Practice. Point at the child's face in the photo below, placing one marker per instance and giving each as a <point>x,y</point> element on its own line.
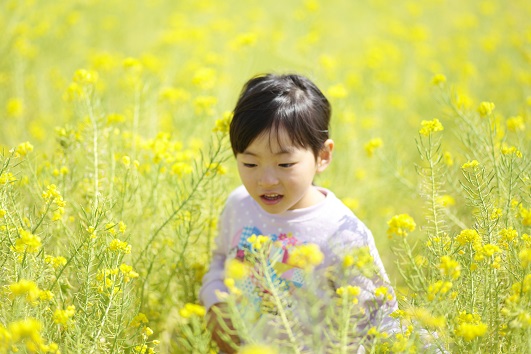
<point>279,176</point>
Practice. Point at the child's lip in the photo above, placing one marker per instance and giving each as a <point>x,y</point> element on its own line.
<point>271,198</point>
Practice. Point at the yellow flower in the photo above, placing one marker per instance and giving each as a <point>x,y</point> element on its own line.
<point>490,249</point>
<point>438,79</point>
<point>204,78</point>
<point>515,124</point>
<point>470,326</point>
<point>372,145</point>
<point>190,310</point>
<point>15,107</point>
<point>56,262</point>
<point>449,267</point>
<point>139,320</point>
<point>425,317</point>
<point>525,257</point>
<point>525,214</point>
<point>439,287</point>
<point>26,288</point>
<point>430,126</point>
<point>223,124</point>
<point>29,331</point>
<point>243,40</point>
<point>236,269</point>
<point>306,256</point>
<point>485,108</point>
<point>257,349</point>
<point>85,77</point>
<point>23,149</point>
<point>6,178</point>
<point>510,150</point>
<point>401,225</point>
<point>3,212</point>
<point>62,316</point>
<point>448,159</point>
<point>126,160</point>
<point>120,246</point>
<point>27,242</point>
<point>470,165</point>
<point>205,104</point>
<point>468,236</point>
<point>445,200</point>
<point>337,91</point>
<point>257,241</point>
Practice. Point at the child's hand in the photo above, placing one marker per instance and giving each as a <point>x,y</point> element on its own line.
<point>214,323</point>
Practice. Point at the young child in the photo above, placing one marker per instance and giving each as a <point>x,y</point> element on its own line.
<point>280,137</point>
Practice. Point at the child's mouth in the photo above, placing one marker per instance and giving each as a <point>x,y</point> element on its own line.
<point>271,198</point>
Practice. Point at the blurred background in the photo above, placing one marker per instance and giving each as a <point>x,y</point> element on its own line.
<point>178,66</point>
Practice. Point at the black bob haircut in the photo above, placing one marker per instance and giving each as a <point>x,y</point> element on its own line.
<point>270,102</point>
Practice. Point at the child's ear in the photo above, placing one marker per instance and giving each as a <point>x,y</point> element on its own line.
<point>325,155</point>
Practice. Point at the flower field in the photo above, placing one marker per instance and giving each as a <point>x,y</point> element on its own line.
<point>115,164</point>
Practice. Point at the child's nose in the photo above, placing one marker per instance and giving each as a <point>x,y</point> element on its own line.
<point>268,178</point>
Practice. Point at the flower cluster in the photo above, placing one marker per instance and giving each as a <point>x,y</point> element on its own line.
<point>430,126</point>
<point>401,225</point>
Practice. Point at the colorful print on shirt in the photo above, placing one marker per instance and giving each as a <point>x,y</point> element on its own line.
<point>287,276</point>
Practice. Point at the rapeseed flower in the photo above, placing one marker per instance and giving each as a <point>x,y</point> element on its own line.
<point>525,257</point>
<point>27,288</point>
<point>236,269</point>
<point>257,241</point>
<point>28,331</point>
<point>470,326</point>
<point>525,215</point>
<point>430,126</point>
<point>190,310</point>
<point>449,267</point>
<point>510,150</point>
<point>23,149</point>
<point>445,200</point>
<point>468,236</point>
<point>361,259</point>
<point>470,165</point>
<point>515,124</point>
<point>372,145</point>
<point>14,107</point>
<point>257,349</point>
<point>401,225</point>
<point>139,320</point>
<point>439,287</point>
<point>117,245</point>
<point>485,108</point>
<point>6,178</point>
<point>337,91</point>
<point>27,242</point>
<point>62,317</point>
<point>222,125</point>
<point>85,77</point>
<point>306,256</point>
<point>438,79</point>
<point>448,159</point>
<point>56,262</point>
<point>425,317</point>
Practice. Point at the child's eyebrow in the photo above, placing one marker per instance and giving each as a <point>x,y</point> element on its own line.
<point>283,151</point>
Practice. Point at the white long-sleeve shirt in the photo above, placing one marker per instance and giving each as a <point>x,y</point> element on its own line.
<point>329,224</point>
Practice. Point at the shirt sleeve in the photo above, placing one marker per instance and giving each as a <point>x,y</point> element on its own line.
<point>376,298</point>
<point>213,280</point>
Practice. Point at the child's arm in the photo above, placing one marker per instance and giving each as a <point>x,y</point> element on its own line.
<point>376,297</point>
<point>221,328</point>
<point>217,317</point>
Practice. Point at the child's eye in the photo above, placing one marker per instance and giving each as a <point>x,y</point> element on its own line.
<point>249,164</point>
<point>286,165</point>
